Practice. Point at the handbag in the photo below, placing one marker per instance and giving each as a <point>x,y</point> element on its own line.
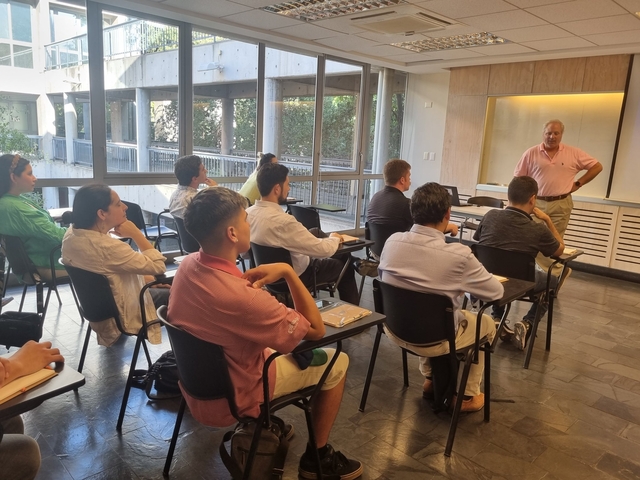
<point>17,328</point>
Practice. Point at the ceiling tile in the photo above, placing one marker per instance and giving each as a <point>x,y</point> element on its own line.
<point>532,3</point>
<point>379,38</point>
<point>456,53</point>
<point>618,38</point>
<point>451,31</point>
<point>497,21</point>
<point>382,51</point>
<point>306,31</point>
<point>464,8</point>
<point>528,34</point>
<point>504,49</point>
<point>253,3</point>
<point>631,5</point>
<point>340,24</point>
<point>221,8</point>
<point>417,57</point>
<point>262,19</point>
<point>347,43</point>
<point>577,10</point>
<point>559,44</point>
<point>617,23</point>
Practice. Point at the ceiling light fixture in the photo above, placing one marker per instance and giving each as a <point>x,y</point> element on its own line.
<point>310,10</point>
<point>456,41</point>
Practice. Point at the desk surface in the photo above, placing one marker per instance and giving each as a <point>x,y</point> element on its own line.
<point>471,211</point>
<point>355,247</point>
<point>325,207</point>
<point>514,289</point>
<point>66,380</point>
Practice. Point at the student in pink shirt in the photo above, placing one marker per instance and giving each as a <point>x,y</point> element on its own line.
<point>214,301</point>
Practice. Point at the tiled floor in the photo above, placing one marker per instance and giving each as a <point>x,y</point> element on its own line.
<point>576,413</point>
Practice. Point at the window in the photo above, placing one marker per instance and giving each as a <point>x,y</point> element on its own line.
<point>16,34</point>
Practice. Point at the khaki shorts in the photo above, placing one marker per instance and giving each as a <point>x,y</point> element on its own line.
<point>289,377</point>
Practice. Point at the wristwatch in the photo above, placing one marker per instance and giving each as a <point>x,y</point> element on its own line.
<point>577,183</point>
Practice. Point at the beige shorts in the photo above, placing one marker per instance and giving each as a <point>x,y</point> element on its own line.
<point>289,377</point>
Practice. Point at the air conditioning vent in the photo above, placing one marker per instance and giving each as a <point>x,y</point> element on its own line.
<point>402,20</point>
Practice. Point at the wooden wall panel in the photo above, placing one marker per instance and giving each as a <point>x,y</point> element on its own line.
<point>469,80</point>
<point>559,76</point>
<point>606,74</point>
<point>462,147</point>
<point>511,78</point>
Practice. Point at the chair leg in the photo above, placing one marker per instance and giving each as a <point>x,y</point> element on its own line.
<point>84,347</point>
<point>127,387</point>
<point>174,437</point>
<point>40,299</point>
<point>254,447</point>
<point>312,437</point>
<point>361,287</point>
<point>532,338</point>
<point>146,352</point>
<point>75,299</point>
<point>487,382</point>
<point>24,294</point>
<point>405,368</point>
<point>456,409</point>
<point>55,289</point>
<point>372,364</point>
<point>46,303</point>
<point>550,321</point>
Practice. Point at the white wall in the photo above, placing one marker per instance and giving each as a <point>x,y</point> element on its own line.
<point>423,129</point>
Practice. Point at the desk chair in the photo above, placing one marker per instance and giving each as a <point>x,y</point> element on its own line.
<point>402,308</point>
<point>188,244</point>
<point>521,266</point>
<point>481,202</point>
<point>204,374</point>
<point>153,233</point>
<point>28,274</point>
<point>309,217</point>
<point>379,234</point>
<point>97,305</point>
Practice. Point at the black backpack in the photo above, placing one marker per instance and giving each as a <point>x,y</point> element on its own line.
<point>163,375</point>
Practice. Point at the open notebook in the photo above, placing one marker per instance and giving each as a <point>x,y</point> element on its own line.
<point>337,313</point>
<point>22,384</point>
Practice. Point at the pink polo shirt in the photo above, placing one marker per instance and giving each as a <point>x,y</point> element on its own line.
<point>210,300</point>
<point>555,176</point>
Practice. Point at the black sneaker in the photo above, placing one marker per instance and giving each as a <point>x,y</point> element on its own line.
<point>521,332</point>
<point>334,465</point>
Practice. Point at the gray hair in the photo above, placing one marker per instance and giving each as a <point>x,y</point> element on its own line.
<point>554,121</point>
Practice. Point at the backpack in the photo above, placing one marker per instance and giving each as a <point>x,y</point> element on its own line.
<point>444,378</point>
<point>163,375</point>
<point>17,328</point>
<point>268,463</point>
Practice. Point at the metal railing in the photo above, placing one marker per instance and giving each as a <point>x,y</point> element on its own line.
<point>59,148</point>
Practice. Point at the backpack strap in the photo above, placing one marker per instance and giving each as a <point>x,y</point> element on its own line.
<point>230,463</point>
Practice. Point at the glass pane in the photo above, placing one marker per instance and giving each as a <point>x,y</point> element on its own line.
<point>4,19</point>
<point>289,107</point>
<point>5,54</point>
<point>224,104</point>
<point>141,86</point>
<point>21,22</point>
<point>340,108</point>
<point>342,194</point>
<point>301,191</point>
<point>22,56</point>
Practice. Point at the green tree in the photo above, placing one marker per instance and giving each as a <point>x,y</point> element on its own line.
<point>297,126</point>
<point>12,140</point>
<point>245,124</point>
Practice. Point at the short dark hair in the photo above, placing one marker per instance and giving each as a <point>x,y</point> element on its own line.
<point>521,189</point>
<point>265,159</point>
<point>88,200</point>
<point>210,212</point>
<point>394,170</point>
<point>186,168</point>
<point>7,167</point>
<point>269,176</point>
<point>430,203</point>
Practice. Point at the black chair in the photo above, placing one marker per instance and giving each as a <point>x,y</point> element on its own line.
<point>379,234</point>
<point>188,244</point>
<point>262,254</point>
<point>204,374</point>
<point>480,202</point>
<point>308,217</point>
<point>523,267</point>
<point>97,305</point>
<point>166,232</point>
<point>153,233</point>
<point>27,273</point>
<point>424,319</point>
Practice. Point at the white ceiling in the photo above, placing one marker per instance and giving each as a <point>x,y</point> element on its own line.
<point>535,29</point>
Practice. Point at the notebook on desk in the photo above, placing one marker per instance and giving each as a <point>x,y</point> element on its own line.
<point>337,313</point>
<point>22,384</point>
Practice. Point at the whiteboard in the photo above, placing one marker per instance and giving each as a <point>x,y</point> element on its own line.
<point>515,123</point>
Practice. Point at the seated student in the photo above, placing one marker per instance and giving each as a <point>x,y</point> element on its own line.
<point>20,217</point>
<point>250,188</point>
<point>513,229</point>
<point>272,227</point>
<point>389,206</point>
<point>20,454</point>
<point>421,260</point>
<point>97,210</point>
<point>212,300</point>
<point>190,173</point>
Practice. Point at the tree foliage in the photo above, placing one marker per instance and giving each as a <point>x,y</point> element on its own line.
<point>12,140</point>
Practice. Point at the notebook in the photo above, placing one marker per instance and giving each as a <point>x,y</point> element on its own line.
<point>337,313</point>
<point>569,251</point>
<point>22,384</point>
<point>500,278</point>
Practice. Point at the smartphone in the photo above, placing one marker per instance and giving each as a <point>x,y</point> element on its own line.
<point>323,304</point>
<point>353,242</point>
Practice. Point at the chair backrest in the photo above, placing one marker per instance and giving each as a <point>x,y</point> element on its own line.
<point>453,195</point>
<point>189,244</point>
<point>94,294</point>
<point>306,216</point>
<point>134,213</point>
<point>486,202</point>
<point>379,234</point>
<point>417,318</point>
<point>263,254</point>
<point>505,262</point>
<point>20,263</point>
<point>202,367</point>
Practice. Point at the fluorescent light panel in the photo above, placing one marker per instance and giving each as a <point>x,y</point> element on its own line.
<point>310,10</point>
<point>456,41</point>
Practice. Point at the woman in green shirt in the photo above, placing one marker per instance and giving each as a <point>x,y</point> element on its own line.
<point>20,217</point>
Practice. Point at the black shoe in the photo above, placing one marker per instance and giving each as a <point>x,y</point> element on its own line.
<point>334,465</point>
<point>521,333</point>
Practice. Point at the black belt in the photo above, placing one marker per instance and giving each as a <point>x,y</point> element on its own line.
<point>553,199</point>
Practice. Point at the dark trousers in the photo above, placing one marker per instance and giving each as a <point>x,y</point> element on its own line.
<point>327,270</point>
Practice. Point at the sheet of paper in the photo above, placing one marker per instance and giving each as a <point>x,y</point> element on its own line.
<point>22,384</point>
<point>499,278</point>
<point>343,314</point>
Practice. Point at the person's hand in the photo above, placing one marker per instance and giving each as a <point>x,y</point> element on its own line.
<point>210,182</point>
<point>337,235</point>
<point>127,229</point>
<point>267,273</point>
<point>33,357</point>
<point>541,215</point>
<point>574,187</point>
<point>5,370</point>
<point>452,229</point>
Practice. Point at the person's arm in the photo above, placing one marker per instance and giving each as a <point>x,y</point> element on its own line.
<point>552,228</point>
<point>587,177</point>
<point>29,359</point>
<point>452,229</point>
<point>293,236</point>
<point>522,168</point>
<point>128,229</point>
<point>119,257</point>
<point>210,182</point>
<point>26,221</point>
